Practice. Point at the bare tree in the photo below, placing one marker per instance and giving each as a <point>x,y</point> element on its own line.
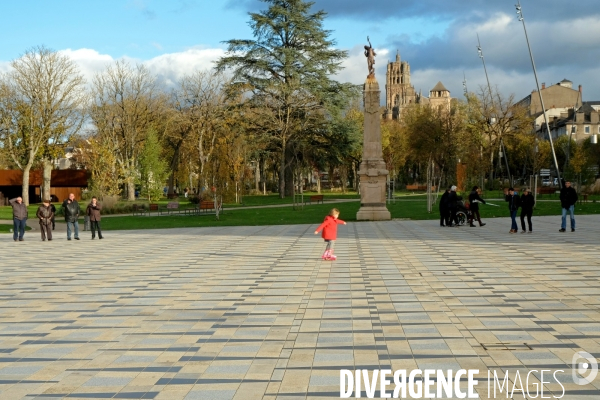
<point>43,97</point>
<point>125,106</point>
<point>199,107</point>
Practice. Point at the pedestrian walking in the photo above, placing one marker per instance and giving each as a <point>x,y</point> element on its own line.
<point>20,215</point>
<point>93,212</point>
<point>71,211</point>
<point>568,198</point>
<point>514,202</point>
<point>453,200</point>
<point>474,200</point>
<point>45,215</point>
<point>444,212</point>
<point>329,228</point>
<point>527,204</point>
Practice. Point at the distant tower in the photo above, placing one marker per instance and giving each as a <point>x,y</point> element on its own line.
<point>398,90</point>
<point>439,97</point>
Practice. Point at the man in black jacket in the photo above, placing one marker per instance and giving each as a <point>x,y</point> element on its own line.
<point>527,204</point>
<point>71,210</point>
<point>444,213</point>
<point>568,198</point>
<point>514,202</point>
<point>474,200</point>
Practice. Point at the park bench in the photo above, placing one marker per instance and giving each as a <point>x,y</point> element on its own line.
<point>139,209</point>
<point>172,206</point>
<point>419,188</point>
<point>547,190</point>
<point>205,206</point>
<point>315,198</point>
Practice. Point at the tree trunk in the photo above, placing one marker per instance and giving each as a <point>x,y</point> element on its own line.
<point>130,189</point>
<point>492,171</point>
<point>174,162</point>
<point>429,184</point>
<point>289,180</point>
<point>25,186</point>
<point>344,177</point>
<point>282,174</point>
<point>257,176</point>
<point>318,182</point>
<point>46,177</point>
<point>330,173</point>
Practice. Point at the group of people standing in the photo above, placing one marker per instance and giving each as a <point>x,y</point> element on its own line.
<point>568,198</point>
<point>526,202</point>
<point>449,205</point>
<point>46,214</point>
<point>450,200</point>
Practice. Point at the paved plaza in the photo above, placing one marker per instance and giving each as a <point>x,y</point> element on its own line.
<point>254,313</point>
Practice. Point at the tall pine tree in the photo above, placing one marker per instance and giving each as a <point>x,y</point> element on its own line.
<point>286,69</point>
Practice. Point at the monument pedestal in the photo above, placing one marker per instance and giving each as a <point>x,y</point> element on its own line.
<point>372,173</point>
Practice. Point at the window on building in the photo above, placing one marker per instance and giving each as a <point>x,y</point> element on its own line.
<point>587,129</point>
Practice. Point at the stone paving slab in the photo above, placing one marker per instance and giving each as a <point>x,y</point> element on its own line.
<point>254,313</point>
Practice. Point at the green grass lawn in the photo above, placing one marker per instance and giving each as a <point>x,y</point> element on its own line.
<point>5,228</point>
<point>7,214</point>
<point>408,208</point>
<point>270,199</point>
<point>259,216</point>
<point>273,199</point>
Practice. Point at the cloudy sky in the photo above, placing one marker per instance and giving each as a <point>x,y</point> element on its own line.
<point>437,37</point>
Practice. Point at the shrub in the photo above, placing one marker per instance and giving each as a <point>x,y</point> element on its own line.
<point>109,201</point>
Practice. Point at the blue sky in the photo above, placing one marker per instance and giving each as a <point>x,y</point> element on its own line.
<point>146,28</point>
<point>437,37</point>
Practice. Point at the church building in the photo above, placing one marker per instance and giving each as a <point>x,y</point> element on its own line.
<point>399,93</point>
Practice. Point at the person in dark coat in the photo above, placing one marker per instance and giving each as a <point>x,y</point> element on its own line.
<point>20,215</point>
<point>71,211</point>
<point>45,215</point>
<point>93,211</point>
<point>527,204</point>
<point>568,198</point>
<point>474,200</point>
<point>514,202</point>
<point>444,212</point>
<point>453,200</point>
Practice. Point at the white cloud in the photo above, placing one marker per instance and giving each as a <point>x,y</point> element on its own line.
<point>4,66</point>
<point>90,62</point>
<point>167,67</point>
<point>172,66</point>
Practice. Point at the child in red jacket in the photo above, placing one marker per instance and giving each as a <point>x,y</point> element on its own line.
<point>329,227</point>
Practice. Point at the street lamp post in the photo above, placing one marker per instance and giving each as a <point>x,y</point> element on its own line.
<point>522,19</point>
<point>493,119</point>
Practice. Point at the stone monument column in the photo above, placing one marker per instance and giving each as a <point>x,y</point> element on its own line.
<point>373,173</point>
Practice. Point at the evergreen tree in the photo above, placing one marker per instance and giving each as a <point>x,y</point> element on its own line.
<point>286,69</point>
<point>152,169</point>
